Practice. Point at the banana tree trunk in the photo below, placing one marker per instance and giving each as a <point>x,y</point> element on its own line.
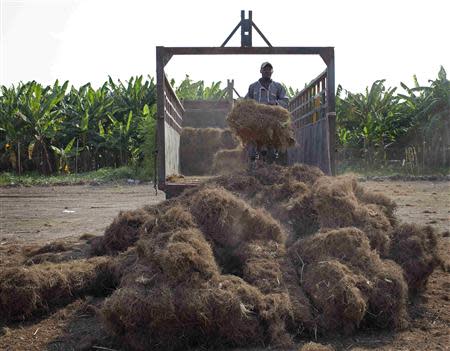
<point>76,157</point>
<point>47,159</point>
<point>19,164</point>
<point>445,145</point>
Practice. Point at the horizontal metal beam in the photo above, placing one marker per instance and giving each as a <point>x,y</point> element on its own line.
<point>283,50</point>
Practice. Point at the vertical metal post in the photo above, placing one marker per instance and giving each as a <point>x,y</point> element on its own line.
<point>160,137</point>
<point>230,86</point>
<point>246,29</point>
<point>330,91</point>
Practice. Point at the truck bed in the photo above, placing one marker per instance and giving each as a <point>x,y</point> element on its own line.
<point>176,184</point>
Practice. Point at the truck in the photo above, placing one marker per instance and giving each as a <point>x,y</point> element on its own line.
<point>312,109</point>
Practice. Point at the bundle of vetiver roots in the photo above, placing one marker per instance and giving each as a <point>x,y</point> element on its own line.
<point>261,125</point>
<point>248,259</point>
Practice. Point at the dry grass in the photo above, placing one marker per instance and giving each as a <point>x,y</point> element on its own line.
<point>337,206</point>
<point>54,247</point>
<point>378,283</point>
<point>415,249</point>
<point>182,255</point>
<point>261,125</point>
<point>388,297</point>
<point>25,291</point>
<point>324,270</point>
<point>333,289</point>
<point>229,221</point>
<point>122,233</point>
<point>312,346</point>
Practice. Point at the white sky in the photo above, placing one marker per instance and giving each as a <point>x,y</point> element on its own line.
<point>87,40</point>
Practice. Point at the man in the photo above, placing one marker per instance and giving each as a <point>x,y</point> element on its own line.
<point>266,91</point>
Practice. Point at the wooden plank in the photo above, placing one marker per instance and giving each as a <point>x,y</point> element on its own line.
<point>312,146</point>
<point>171,121</point>
<point>171,95</point>
<point>169,108</point>
<point>303,119</point>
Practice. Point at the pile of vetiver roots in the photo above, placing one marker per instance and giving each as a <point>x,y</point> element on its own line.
<point>259,259</point>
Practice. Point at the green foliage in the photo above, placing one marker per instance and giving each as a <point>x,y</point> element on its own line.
<point>100,176</point>
<point>64,154</point>
<point>371,121</point>
<point>290,92</point>
<point>52,128</point>
<point>190,90</point>
<point>147,151</point>
<point>60,129</point>
<point>429,107</point>
<point>380,121</point>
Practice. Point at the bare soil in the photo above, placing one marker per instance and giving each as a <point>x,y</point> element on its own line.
<point>40,214</point>
<point>44,214</point>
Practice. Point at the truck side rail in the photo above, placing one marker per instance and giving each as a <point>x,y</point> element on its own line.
<point>311,103</point>
<point>313,120</point>
<point>170,124</point>
<point>173,108</point>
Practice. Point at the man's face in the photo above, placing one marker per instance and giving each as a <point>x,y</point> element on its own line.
<point>267,71</point>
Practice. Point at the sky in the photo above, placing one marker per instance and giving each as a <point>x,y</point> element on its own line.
<point>88,40</point>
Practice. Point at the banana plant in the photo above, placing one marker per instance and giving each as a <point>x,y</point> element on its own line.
<point>87,107</point>
<point>145,153</point>
<point>190,90</point>
<point>133,95</point>
<point>12,129</point>
<point>428,107</point>
<point>64,154</point>
<point>38,110</point>
<point>119,135</point>
<point>290,91</point>
<point>373,118</point>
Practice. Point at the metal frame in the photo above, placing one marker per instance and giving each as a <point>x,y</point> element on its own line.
<point>164,54</point>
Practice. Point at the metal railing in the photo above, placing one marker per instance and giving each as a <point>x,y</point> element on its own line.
<point>310,104</point>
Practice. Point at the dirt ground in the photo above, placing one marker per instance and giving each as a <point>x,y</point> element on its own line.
<point>43,214</point>
<point>40,214</point>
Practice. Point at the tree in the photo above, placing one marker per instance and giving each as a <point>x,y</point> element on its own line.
<point>371,121</point>
<point>428,108</point>
<point>37,108</point>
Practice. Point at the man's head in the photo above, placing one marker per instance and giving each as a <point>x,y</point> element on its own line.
<point>266,70</point>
